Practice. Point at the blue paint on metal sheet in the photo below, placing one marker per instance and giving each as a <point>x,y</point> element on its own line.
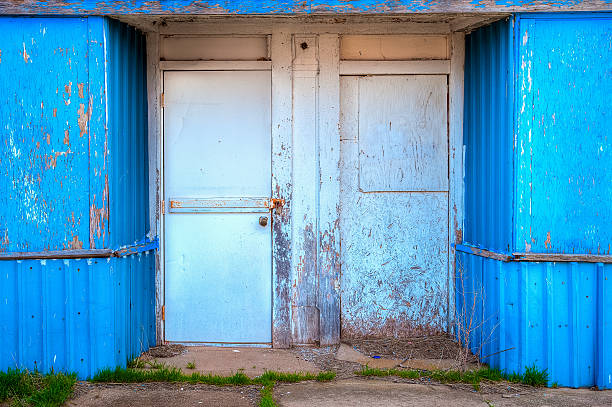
<point>63,152</point>
<point>73,142</point>
<point>488,137</point>
<point>44,150</point>
<point>537,156</point>
<point>554,315</point>
<point>76,315</point>
<point>289,6</point>
<point>127,127</point>
<point>563,154</point>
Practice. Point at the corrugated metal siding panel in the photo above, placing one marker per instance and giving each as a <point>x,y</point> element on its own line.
<point>45,135</point>
<point>76,315</point>
<point>488,136</point>
<point>557,316</point>
<point>564,83</point>
<point>128,133</point>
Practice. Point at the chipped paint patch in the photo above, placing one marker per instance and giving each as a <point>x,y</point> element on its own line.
<point>83,119</point>
<point>26,57</point>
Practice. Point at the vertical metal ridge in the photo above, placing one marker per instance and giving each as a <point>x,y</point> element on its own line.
<point>21,321</point>
<point>550,330</point>
<point>93,316</point>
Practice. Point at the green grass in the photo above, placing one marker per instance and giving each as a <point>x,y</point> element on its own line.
<point>532,376</point>
<point>21,387</point>
<point>266,396</point>
<point>191,365</point>
<point>163,373</point>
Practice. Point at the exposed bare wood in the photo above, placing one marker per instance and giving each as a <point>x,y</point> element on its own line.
<point>455,157</point>
<point>393,47</point>
<point>282,188</point>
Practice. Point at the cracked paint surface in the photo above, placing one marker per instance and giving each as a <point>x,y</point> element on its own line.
<point>564,185</point>
<point>44,199</point>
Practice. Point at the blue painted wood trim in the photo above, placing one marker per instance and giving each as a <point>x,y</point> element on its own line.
<point>143,7</point>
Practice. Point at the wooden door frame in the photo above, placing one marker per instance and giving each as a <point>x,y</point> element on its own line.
<point>282,35</point>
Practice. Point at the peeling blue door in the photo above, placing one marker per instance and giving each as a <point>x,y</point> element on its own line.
<point>217,181</point>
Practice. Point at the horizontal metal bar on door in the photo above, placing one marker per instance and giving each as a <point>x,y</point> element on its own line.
<point>216,205</point>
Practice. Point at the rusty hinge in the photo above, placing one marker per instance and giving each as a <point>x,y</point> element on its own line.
<point>276,203</point>
<point>163,312</point>
<point>163,207</point>
<point>162,100</point>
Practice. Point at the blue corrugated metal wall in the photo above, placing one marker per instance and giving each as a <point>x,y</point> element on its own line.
<point>557,316</point>
<point>74,176</point>
<point>488,137</point>
<point>127,101</point>
<point>546,141</point>
<point>76,315</point>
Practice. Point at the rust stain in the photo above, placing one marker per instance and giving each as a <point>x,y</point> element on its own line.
<point>26,57</point>
<point>83,118</point>
<point>0,56</point>
<point>48,138</point>
<point>55,112</point>
<point>98,217</point>
<point>68,90</point>
<point>547,243</point>
<point>76,243</point>
<point>80,86</point>
<point>51,160</point>
<point>4,243</point>
<point>66,137</point>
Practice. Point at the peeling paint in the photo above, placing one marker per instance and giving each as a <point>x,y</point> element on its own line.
<point>83,119</point>
<point>26,57</point>
<point>563,185</point>
<point>148,7</point>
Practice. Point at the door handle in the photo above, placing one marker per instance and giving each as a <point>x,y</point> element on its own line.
<point>263,220</point>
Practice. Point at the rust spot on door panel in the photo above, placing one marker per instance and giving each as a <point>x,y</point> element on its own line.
<point>80,86</point>
<point>66,137</point>
<point>75,243</point>
<point>26,57</point>
<point>83,118</point>
<point>547,242</point>
<point>98,218</point>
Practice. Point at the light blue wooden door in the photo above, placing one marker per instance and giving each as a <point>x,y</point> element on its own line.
<point>217,181</point>
<point>394,204</point>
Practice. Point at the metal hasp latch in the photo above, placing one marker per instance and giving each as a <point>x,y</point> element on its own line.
<point>277,204</point>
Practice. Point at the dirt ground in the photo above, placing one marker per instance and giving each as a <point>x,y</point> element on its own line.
<point>376,392</point>
<point>162,395</point>
<point>347,389</point>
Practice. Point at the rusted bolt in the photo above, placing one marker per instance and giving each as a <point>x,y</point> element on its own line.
<point>263,220</point>
<point>304,45</point>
